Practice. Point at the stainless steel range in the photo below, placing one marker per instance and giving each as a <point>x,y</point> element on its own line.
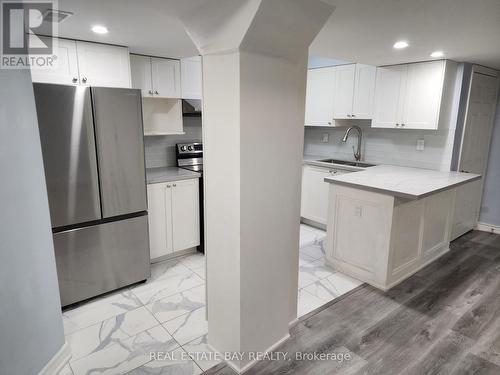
<point>190,157</point>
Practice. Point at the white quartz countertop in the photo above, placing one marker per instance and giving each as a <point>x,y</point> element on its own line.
<point>403,182</point>
<point>169,174</point>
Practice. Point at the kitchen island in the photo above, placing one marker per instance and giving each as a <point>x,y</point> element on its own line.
<point>387,222</point>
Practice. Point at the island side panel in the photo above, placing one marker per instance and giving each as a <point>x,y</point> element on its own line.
<point>421,234</point>
<point>359,232</point>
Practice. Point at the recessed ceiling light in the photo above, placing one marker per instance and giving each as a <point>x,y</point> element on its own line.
<point>98,29</point>
<point>437,54</point>
<point>401,44</point>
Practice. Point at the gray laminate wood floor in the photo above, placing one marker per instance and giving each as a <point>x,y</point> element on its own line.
<point>443,320</point>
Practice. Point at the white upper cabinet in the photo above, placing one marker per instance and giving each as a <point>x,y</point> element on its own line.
<point>320,96</point>
<point>354,89</point>
<point>65,72</point>
<point>156,77</point>
<point>191,78</point>
<point>414,96</point>
<point>390,83</point>
<point>166,76</point>
<point>87,63</point>
<point>103,65</point>
<point>424,86</point>
<point>364,91</point>
<point>344,91</point>
<point>140,68</point>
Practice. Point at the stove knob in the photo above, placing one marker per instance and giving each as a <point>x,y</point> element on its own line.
<point>183,148</point>
<point>190,148</point>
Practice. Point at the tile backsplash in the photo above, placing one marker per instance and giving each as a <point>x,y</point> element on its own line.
<point>384,146</point>
<point>160,150</point>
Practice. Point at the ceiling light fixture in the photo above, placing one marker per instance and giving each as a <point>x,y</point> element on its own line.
<point>98,29</point>
<point>401,44</point>
<point>437,54</point>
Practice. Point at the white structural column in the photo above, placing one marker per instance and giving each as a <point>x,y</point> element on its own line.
<point>254,77</point>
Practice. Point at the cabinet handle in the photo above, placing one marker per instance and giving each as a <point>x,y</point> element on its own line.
<point>175,185</point>
<point>156,92</point>
<point>397,125</point>
<point>353,115</point>
<point>348,115</point>
<point>75,80</point>
<point>168,186</point>
<point>402,124</point>
<point>329,123</point>
<point>84,79</point>
<point>151,92</point>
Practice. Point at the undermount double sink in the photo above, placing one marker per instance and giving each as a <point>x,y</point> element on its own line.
<point>349,163</point>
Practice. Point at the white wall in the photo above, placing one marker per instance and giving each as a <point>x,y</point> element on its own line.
<point>221,157</point>
<point>272,97</point>
<point>31,330</point>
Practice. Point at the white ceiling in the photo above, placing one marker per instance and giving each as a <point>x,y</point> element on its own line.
<point>145,26</point>
<point>365,30</point>
<point>359,30</point>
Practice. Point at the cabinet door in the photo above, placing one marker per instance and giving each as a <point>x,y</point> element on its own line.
<point>160,220</point>
<point>103,65</point>
<point>314,202</point>
<point>65,71</point>
<point>185,214</point>
<point>422,97</point>
<point>364,89</point>
<point>166,75</point>
<point>191,81</point>
<point>344,91</point>
<point>140,69</point>
<point>389,86</point>
<point>320,96</point>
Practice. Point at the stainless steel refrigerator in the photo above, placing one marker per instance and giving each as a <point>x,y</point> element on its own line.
<point>93,154</point>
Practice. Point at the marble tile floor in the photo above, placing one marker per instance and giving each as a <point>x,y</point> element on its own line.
<point>115,334</point>
<point>318,282</point>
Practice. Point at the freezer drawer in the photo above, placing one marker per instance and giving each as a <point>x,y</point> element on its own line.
<point>120,150</point>
<point>97,259</point>
<point>69,155</point>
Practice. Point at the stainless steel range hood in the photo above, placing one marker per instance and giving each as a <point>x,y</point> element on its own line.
<point>191,107</point>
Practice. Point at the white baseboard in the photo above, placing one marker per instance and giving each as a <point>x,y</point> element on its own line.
<point>293,323</point>
<point>248,366</point>
<point>488,228</point>
<point>58,361</point>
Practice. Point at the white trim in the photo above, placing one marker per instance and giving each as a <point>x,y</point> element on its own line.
<point>58,361</point>
<point>293,323</point>
<point>241,370</point>
<point>249,365</point>
<point>488,228</point>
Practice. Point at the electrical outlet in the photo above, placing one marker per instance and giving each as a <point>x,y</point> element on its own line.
<point>420,145</point>
<point>325,137</point>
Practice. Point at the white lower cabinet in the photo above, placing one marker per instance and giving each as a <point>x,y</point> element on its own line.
<point>174,217</point>
<point>314,202</point>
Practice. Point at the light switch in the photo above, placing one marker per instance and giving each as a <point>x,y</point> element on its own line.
<point>325,137</point>
<point>358,211</point>
<point>420,145</point>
